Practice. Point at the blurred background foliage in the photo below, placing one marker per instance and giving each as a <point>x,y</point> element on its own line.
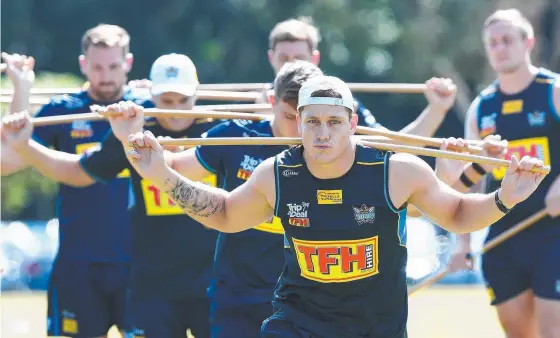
<point>362,41</point>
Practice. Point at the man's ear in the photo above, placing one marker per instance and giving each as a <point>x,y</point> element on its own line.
<point>271,98</point>
<point>353,123</point>
<point>83,63</point>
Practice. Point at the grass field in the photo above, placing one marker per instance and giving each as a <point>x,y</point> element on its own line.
<point>437,312</point>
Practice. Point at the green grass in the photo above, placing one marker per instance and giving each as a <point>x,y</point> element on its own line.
<point>435,312</point>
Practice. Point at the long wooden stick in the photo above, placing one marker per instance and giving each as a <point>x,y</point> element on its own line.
<point>230,141</point>
<point>410,88</point>
<point>201,94</point>
<point>487,247</point>
<point>379,145</point>
<point>211,113</point>
<point>249,107</point>
<point>415,139</point>
<point>448,154</point>
<point>150,112</point>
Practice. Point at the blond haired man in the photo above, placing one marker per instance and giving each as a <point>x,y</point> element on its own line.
<point>88,282</point>
<point>522,106</point>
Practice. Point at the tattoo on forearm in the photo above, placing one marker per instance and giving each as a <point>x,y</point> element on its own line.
<point>194,199</point>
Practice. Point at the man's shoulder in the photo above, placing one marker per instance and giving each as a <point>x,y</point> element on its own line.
<point>239,128</point>
<point>489,91</point>
<point>65,104</point>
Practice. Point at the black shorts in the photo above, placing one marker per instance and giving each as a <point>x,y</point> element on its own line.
<point>529,260</point>
<point>86,299</point>
<point>168,318</point>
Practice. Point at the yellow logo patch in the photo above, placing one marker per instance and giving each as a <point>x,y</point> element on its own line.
<point>69,325</point>
<point>337,261</point>
<point>536,147</point>
<point>512,107</point>
<point>159,203</point>
<point>273,226</point>
<point>329,196</point>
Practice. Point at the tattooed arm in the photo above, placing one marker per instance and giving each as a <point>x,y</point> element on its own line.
<point>245,207</point>
<point>242,209</point>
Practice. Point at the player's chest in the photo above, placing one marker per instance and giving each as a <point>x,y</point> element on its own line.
<point>517,119</point>
<point>334,207</point>
<point>80,136</point>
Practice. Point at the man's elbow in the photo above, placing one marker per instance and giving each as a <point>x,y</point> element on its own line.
<point>77,177</point>
<point>8,169</point>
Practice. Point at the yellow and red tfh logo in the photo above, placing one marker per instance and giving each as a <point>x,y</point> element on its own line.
<point>337,261</point>
<point>299,222</point>
<point>244,174</point>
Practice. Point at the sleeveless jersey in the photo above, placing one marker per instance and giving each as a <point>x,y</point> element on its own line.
<point>346,255</point>
<point>531,125</point>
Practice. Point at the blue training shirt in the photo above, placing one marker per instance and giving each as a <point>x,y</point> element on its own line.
<point>172,254</point>
<point>93,221</point>
<point>247,264</point>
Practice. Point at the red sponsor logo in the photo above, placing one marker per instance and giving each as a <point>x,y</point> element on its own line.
<point>299,222</point>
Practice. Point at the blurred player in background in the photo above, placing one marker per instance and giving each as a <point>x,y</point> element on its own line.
<point>522,106</point>
<point>171,269</point>
<point>87,286</point>
<point>298,39</point>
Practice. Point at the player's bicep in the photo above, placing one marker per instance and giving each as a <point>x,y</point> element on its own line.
<point>413,181</point>
<point>251,203</point>
<point>188,164</point>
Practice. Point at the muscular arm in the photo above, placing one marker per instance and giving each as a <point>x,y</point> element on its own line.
<point>412,180</point>
<point>10,161</point>
<point>20,98</point>
<point>186,163</point>
<point>56,165</point>
<point>245,207</point>
<point>427,123</point>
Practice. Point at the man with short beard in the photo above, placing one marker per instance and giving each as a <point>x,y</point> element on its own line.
<point>87,287</point>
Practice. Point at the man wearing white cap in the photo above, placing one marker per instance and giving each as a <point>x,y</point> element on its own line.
<point>343,207</point>
<point>171,269</point>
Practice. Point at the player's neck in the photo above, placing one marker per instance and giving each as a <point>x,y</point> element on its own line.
<point>515,82</point>
<point>334,169</point>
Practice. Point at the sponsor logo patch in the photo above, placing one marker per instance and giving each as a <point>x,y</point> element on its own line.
<point>329,196</point>
<point>337,261</point>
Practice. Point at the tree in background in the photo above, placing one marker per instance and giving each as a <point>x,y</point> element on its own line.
<point>363,41</point>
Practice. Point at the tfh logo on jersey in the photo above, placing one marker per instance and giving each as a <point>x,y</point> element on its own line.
<point>297,214</point>
<point>535,147</point>
<point>247,167</point>
<point>488,125</point>
<point>81,129</point>
<point>337,261</point>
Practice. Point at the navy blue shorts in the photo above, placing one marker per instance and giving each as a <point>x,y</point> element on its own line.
<point>240,321</point>
<point>86,299</point>
<point>278,326</point>
<point>529,260</point>
<point>168,318</point>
